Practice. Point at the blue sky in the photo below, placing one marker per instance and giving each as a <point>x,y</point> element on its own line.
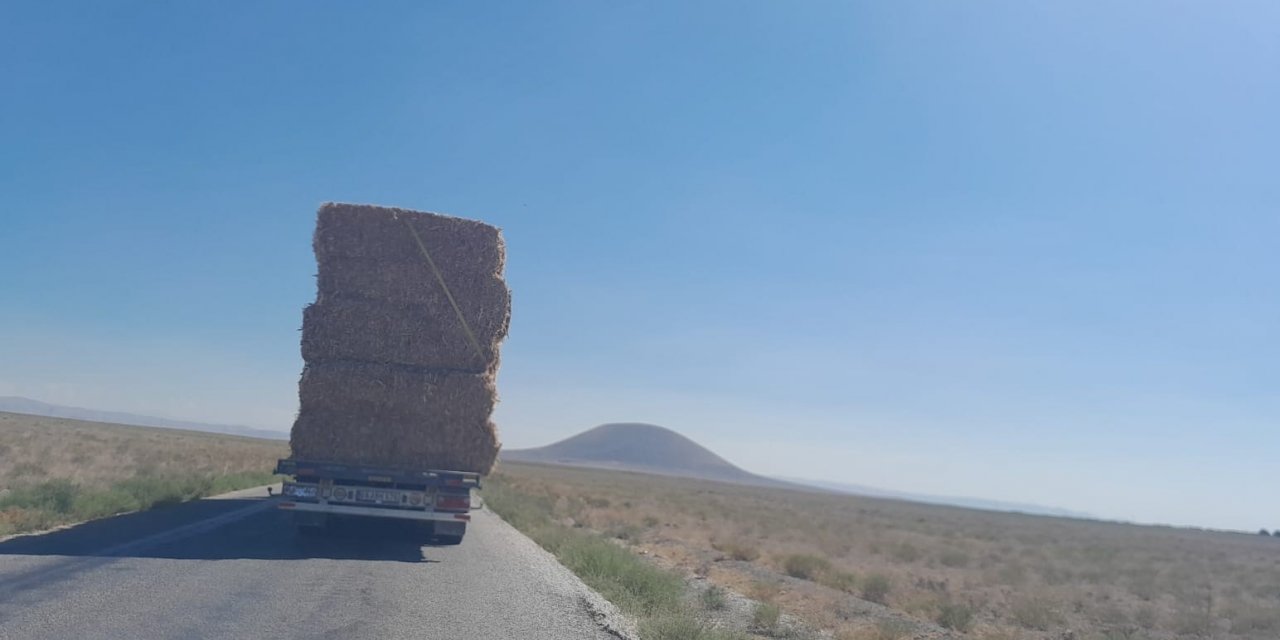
<point>1021,251</point>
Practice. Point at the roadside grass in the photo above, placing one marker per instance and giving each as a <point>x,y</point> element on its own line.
<point>57,502</point>
<point>653,596</point>
<point>1000,575</point>
<point>55,471</point>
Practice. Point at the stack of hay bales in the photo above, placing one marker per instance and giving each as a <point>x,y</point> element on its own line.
<point>392,376</point>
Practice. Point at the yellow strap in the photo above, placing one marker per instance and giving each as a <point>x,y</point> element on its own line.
<point>475,344</point>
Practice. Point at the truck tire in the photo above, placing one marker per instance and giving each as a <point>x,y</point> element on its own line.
<point>448,541</point>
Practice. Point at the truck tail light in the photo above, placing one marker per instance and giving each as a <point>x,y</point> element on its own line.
<point>453,502</point>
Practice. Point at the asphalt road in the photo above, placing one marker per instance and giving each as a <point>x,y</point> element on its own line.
<point>233,568</point>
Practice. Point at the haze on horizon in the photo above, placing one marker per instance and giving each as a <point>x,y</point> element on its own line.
<point>1017,252</point>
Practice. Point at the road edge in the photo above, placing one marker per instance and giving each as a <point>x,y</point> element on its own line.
<point>230,495</point>
<point>604,613</point>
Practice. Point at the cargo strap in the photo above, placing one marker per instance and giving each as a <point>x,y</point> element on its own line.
<point>475,344</point>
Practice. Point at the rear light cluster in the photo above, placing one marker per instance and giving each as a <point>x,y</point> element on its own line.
<point>453,502</point>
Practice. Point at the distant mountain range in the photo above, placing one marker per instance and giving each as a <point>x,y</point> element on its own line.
<point>648,448</point>
<point>13,404</point>
<point>953,501</point>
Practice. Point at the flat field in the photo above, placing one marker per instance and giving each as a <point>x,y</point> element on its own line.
<point>54,471</point>
<point>869,568</point>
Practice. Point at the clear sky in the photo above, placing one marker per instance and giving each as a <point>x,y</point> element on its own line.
<point>1013,250</point>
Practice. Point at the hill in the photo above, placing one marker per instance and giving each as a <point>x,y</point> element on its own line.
<point>14,404</point>
<point>641,447</point>
<point>648,448</point>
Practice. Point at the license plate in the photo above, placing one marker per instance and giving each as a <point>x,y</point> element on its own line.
<point>373,495</point>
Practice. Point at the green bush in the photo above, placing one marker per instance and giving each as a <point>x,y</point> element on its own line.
<point>54,502</point>
<point>892,629</point>
<point>1035,613</point>
<point>876,588</point>
<point>682,626</point>
<point>805,566</point>
<point>841,580</point>
<point>906,552</point>
<point>954,558</point>
<point>737,550</point>
<point>713,598</point>
<point>53,496</point>
<point>623,578</point>
<point>955,616</point>
<point>765,618</point>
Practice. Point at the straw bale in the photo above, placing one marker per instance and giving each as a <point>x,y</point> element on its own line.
<point>366,231</point>
<point>417,335</point>
<point>355,412</point>
<point>391,377</point>
<point>410,281</point>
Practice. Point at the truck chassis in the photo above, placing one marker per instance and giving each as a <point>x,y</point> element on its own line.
<point>318,492</point>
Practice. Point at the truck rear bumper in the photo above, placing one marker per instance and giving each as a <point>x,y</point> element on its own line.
<point>374,512</point>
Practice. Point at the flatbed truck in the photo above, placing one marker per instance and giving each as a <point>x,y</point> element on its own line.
<point>319,492</point>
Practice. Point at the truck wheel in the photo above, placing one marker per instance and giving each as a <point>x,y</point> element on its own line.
<point>448,541</point>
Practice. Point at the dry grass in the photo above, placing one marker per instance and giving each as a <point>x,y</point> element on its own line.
<point>986,574</point>
<point>54,471</point>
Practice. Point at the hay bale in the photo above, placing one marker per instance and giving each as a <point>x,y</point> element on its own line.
<point>410,282</point>
<point>380,233</point>
<point>391,376</point>
<point>358,412</point>
<point>416,335</point>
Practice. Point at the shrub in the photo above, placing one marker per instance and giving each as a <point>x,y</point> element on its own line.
<point>737,550</point>
<point>56,496</point>
<point>54,502</point>
<point>765,591</point>
<point>1256,619</point>
<point>954,558</point>
<point>805,566</point>
<point>906,552</point>
<point>624,531</point>
<point>1195,622</point>
<point>765,618</point>
<point>620,576</point>
<point>713,598</point>
<point>1034,613</point>
<point>840,580</point>
<point>876,588</point>
<point>681,626</point>
<point>955,616</point>
<point>1146,617</point>
<point>891,629</point>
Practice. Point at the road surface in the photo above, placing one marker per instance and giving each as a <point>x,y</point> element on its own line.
<point>232,568</point>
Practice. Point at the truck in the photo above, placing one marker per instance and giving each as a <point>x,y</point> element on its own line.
<point>317,493</point>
